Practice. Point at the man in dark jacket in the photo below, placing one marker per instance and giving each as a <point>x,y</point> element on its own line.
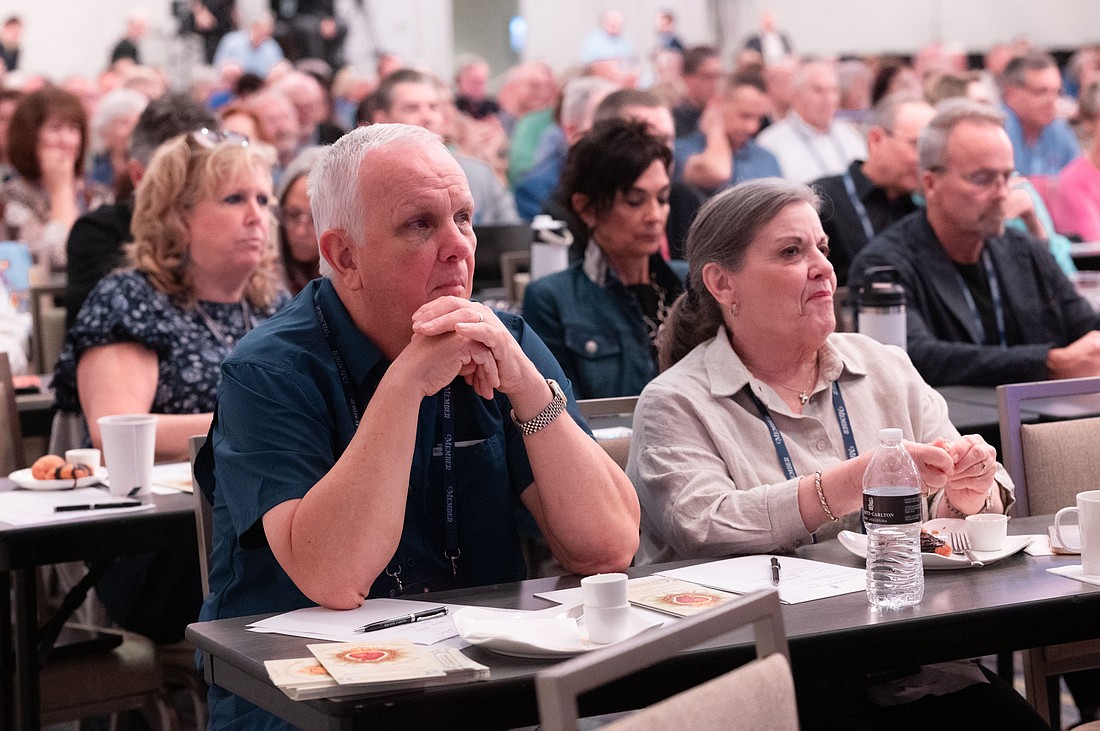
<point>984,305</point>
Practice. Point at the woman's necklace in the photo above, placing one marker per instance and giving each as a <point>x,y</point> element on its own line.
<point>220,335</point>
<point>803,393</point>
<point>653,299</point>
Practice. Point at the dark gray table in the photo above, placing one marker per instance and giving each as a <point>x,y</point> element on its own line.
<point>171,524</point>
<point>1009,605</point>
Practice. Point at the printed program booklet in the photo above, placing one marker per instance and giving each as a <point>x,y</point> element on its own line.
<point>352,668</point>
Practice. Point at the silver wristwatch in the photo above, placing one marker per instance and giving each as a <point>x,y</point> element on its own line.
<point>547,415</point>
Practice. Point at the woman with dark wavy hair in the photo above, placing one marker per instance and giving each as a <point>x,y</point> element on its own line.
<point>600,317</point>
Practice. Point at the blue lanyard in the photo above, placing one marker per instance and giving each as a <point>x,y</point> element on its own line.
<point>995,295</point>
<point>785,462</point>
<point>861,211</point>
<point>447,427</point>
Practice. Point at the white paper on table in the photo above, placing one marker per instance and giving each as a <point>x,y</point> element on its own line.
<point>1039,546</point>
<point>172,478</point>
<point>612,432</point>
<point>339,625</point>
<point>1076,571</point>
<point>33,507</point>
<point>801,580</point>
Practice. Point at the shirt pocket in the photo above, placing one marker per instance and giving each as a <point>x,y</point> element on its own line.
<point>598,356</point>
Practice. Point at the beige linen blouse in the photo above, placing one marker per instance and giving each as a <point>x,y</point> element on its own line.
<point>707,474</point>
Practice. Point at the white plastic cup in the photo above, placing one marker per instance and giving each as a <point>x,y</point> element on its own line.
<point>987,531</point>
<point>129,446</point>
<point>603,590</point>
<point>90,457</point>
<point>607,624</point>
<point>1088,521</point>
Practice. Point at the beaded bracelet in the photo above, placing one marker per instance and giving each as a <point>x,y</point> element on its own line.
<point>821,498</point>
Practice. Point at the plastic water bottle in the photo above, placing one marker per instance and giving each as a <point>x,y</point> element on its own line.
<point>892,515</point>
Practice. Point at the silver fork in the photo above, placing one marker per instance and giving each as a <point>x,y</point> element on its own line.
<point>959,542</point>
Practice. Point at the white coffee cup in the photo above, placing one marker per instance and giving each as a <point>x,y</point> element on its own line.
<point>607,624</point>
<point>1088,520</point>
<point>603,590</point>
<point>90,457</point>
<point>129,446</point>
<point>987,531</point>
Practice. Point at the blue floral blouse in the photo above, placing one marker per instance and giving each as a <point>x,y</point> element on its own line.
<point>125,308</point>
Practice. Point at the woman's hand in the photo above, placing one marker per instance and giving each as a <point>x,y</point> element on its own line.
<point>972,476</point>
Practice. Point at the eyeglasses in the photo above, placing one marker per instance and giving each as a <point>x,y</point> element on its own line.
<point>211,138</point>
<point>295,216</point>
<point>983,178</point>
<point>907,142</point>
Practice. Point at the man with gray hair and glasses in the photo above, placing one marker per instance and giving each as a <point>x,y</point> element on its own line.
<point>985,305</point>
<point>382,434</point>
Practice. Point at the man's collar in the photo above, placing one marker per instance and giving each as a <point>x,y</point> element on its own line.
<point>801,124</point>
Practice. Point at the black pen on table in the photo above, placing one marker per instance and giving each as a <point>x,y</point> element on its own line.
<point>775,571</point>
<point>406,619</point>
<point>95,506</point>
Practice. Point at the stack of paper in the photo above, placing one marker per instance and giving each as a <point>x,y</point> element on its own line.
<point>800,580</point>
<point>350,668</point>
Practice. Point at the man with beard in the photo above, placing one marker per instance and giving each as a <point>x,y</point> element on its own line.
<point>985,305</point>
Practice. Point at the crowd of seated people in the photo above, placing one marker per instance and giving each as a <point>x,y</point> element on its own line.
<point>182,220</point>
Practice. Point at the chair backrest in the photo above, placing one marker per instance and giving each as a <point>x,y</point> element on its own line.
<point>11,435</point>
<point>1038,489</point>
<point>558,687</point>
<point>203,516</point>
<point>597,407</point>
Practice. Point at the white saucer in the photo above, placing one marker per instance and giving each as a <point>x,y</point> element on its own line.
<point>26,480</point>
<point>941,527</point>
<point>535,634</point>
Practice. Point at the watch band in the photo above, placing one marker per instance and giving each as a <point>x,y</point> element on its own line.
<point>543,418</point>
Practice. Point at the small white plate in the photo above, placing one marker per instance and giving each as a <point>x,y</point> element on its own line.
<point>26,480</point>
<point>534,634</point>
<point>941,528</point>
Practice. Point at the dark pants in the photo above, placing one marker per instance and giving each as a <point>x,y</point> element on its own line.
<point>837,704</point>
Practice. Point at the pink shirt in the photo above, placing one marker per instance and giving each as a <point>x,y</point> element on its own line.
<point>1075,203</point>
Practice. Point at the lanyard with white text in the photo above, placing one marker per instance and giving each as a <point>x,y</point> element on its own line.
<point>994,294</point>
<point>785,462</point>
<point>861,211</point>
<point>452,551</point>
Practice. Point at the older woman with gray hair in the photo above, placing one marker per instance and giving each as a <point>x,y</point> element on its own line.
<point>756,435</point>
<point>751,344</point>
<point>113,121</point>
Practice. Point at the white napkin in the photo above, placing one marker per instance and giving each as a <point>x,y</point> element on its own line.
<point>1076,571</point>
<point>517,630</point>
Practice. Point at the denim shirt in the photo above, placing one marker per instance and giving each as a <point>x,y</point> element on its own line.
<point>594,326</point>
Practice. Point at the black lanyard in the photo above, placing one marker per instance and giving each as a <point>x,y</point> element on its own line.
<point>861,210</point>
<point>447,427</point>
<point>994,294</point>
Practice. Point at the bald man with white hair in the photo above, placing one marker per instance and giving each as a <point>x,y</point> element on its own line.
<point>809,142</point>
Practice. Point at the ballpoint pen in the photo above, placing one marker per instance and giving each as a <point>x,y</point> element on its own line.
<point>775,571</point>
<point>95,506</point>
<point>406,619</point>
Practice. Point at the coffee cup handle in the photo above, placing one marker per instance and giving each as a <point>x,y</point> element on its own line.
<point>1058,526</point>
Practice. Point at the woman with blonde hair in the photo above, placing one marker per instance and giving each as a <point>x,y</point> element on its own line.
<point>151,338</point>
<point>204,274</point>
